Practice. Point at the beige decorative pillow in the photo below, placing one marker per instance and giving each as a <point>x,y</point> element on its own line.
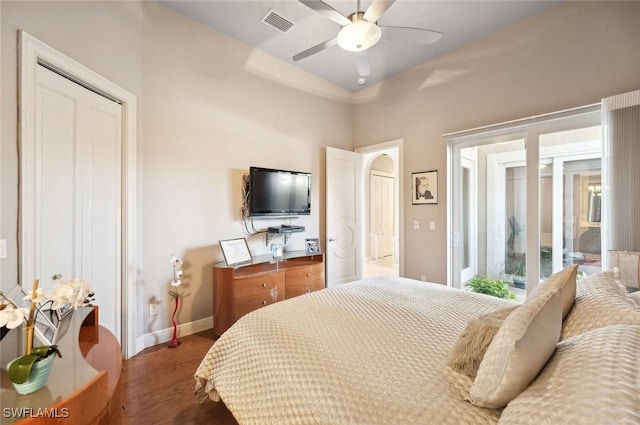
<point>518,352</point>
<point>600,301</point>
<point>565,281</point>
<point>468,351</point>
<point>591,378</point>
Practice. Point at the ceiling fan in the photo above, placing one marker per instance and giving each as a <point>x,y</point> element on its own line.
<point>360,31</point>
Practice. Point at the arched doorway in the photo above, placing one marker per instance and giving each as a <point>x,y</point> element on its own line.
<point>381,221</point>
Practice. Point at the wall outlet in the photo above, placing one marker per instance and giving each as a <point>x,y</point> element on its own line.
<point>416,224</point>
<point>423,278</point>
<point>153,309</point>
<point>432,225</point>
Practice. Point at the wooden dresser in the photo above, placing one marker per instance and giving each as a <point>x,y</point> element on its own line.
<point>241,289</point>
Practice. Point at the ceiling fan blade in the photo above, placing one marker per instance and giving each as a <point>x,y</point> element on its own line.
<point>315,49</point>
<point>411,35</point>
<point>327,11</point>
<point>363,62</point>
<point>376,9</point>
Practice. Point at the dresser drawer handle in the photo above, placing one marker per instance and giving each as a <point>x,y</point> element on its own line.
<point>308,290</point>
<point>264,285</point>
<point>308,274</point>
<point>264,302</point>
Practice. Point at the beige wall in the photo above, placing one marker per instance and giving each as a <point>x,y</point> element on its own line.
<point>569,56</point>
<point>209,107</point>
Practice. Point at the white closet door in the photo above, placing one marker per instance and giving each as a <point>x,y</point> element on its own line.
<point>382,206</point>
<point>74,189</point>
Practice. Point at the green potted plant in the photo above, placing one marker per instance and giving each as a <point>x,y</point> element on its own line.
<point>519,271</point>
<point>490,286</point>
<point>515,269</point>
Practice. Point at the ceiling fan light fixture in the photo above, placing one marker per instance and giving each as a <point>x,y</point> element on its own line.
<point>359,36</point>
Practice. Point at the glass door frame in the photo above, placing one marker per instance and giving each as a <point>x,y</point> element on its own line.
<point>529,129</point>
<point>469,222</point>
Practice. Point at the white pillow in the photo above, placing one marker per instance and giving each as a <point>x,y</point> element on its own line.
<point>600,301</point>
<point>518,352</point>
<point>564,281</point>
<point>592,378</point>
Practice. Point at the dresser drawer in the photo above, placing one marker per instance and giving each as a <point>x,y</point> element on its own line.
<point>262,285</point>
<point>304,288</point>
<point>304,274</point>
<point>246,305</point>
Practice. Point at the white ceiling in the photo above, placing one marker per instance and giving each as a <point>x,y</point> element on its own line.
<point>459,21</point>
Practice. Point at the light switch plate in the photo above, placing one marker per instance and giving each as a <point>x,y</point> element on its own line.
<point>3,248</point>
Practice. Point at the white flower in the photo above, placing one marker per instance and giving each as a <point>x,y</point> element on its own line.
<point>81,291</point>
<point>177,275</point>
<point>73,292</point>
<point>38,298</point>
<point>177,262</point>
<point>12,317</point>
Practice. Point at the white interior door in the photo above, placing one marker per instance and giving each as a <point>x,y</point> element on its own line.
<point>72,186</point>
<point>382,219</point>
<point>344,200</point>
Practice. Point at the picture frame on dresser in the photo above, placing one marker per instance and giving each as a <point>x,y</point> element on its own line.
<point>236,251</point>
<point>312,245</point>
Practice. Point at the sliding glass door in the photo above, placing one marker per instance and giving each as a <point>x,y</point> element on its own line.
<point>525,200</point>
<point>570,200</point>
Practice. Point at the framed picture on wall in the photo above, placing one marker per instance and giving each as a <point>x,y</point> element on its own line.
<point>424,187</point>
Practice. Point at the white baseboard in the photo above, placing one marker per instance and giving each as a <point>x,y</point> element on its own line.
<point>165,335</point>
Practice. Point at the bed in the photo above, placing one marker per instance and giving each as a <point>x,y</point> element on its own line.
<point>384,350</point>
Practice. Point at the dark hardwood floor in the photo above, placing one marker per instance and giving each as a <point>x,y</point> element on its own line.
<point>158,386</point>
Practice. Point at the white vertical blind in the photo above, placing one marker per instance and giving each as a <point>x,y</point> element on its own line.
<point>621,171</point>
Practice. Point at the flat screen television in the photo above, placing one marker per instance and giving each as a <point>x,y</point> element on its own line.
<point>278,192</point>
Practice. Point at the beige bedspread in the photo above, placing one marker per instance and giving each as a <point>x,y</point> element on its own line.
<point>368,352</point>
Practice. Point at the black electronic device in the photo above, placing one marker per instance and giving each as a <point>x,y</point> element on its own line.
<point>286,228</point>
<point>278,192</point>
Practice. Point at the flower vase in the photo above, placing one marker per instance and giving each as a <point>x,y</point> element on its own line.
<point>175,341</point>
<point>37,378</point>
